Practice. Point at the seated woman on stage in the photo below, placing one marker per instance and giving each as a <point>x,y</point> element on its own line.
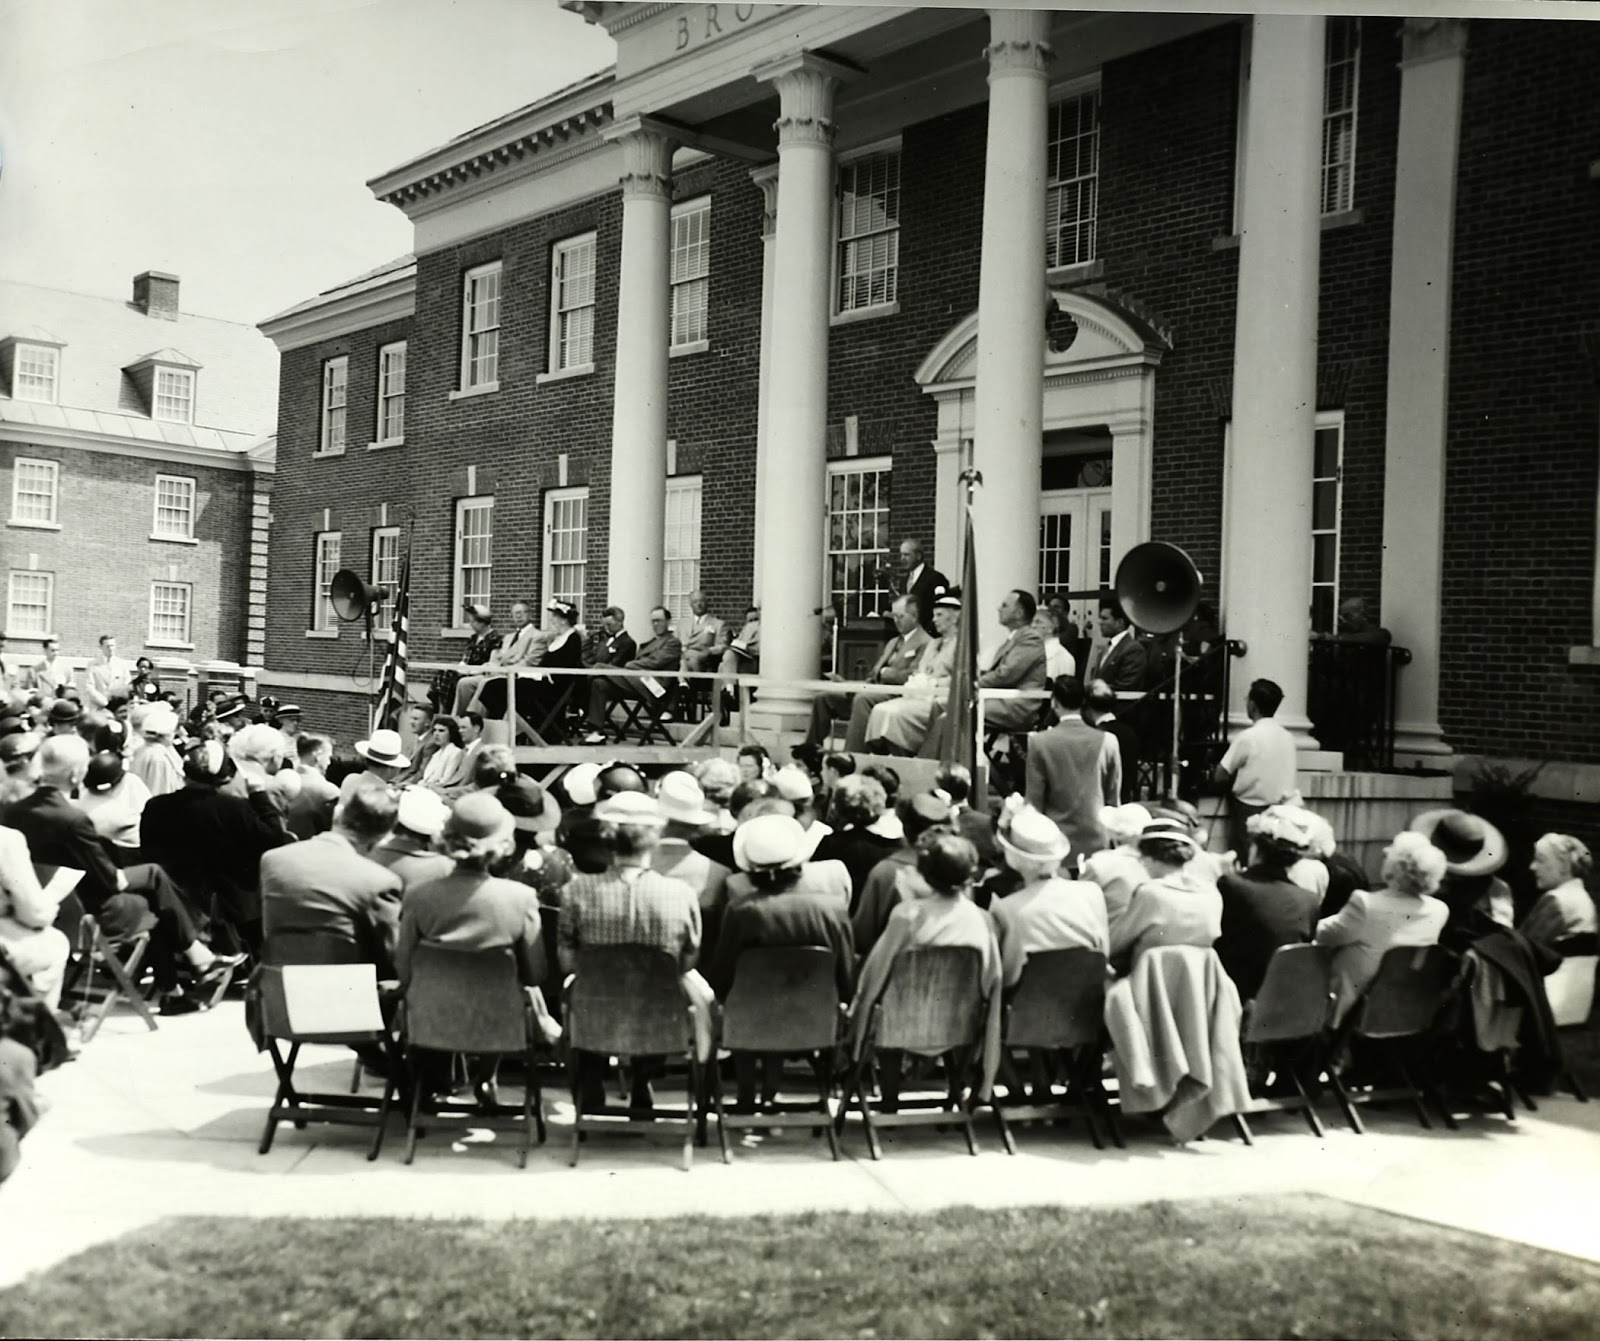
<point>537,696</point>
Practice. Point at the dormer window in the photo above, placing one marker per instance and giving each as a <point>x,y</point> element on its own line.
<point>38,373</point>
<point>174,398</point>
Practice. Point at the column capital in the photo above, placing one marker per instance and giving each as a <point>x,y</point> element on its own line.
<point>1019,41</point>
<point>766,179</point>
<point>806,84</point>
<point>647,148</point>
<point>1428,39</point>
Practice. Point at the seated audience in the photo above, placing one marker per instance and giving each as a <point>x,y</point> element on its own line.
<point>827,879</point>
<point>1118,869</point>
<point>156,763</point>
<point>27,921</point>
<point>310,812</point>
<point>384,759</point>
<point>612,645</point>
<point>1177,903</point>
<point>1564,907</point>
<point>683,807</point>
<point>755,764</point>
<point>1474,851</point>
<point>458,780</point>
<point>1373,922</point>
<point>114,800</point>
<point>743,653</point>
<point>1049,912</point>
<point>658,656</point>
<point>858,804</point>
<point>536,861</point>
<point>521,648</point>
<point>1074,770</point>
<point>894,879</point>
<point>442,753</point>
<point>1262,906</point>
<point>408,851</point>
<point>419,717</point>
<point>1122,661</point>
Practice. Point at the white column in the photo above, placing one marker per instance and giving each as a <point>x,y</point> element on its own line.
<point>1009,395</point>
<point>1268,556</point>
<point>1132,466</point>
<point>637,518</point>
<point>796,465</point>
<point>1433,55</point>
<point>767,179</point>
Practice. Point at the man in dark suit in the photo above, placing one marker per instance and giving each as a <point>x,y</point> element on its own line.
<point>330,884</point>
<point>611,646</point>
<point>893,666</point>
<point>1100,711</point>
<point>1125,661</point>
<point>660,655</point>
<point>921,580</point>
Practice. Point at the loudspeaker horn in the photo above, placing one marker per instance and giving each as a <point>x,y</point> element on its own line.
<point>1158,586</point>
<point>352,598</point>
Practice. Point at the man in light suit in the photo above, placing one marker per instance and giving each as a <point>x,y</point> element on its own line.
<point>706,637</point>
<point>525,647</point>
<point>330,884</point>
<point>1074,769</point>
<point>660,652</point>
<point>894,665</point>
<point>1124,662</point>
<point>109,675</point>
<point>1019,664</point>
<point>921,580</point>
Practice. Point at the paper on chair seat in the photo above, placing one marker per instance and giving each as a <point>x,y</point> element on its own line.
<point>652,686</point>
<point>332,998</point>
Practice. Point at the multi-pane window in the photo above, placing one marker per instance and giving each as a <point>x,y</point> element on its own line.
<point>28,604</point>
<point>480,327</point>
<point>174,507</point>
<point>169,614</point>
<point>566,545</point>
<point>335,384</point>
<point>33,491</point>
<point>386,570</point>
<point>572,304</point>
<point>681,555</point>
<point>1341,70</point>
<point>691,271</point>
<point>328,544</point>
<point>859,573</point>
<point>474,547</point>
<point>392,393</point>
<point>35,373</point>
<point>174,398</point>
<point>1072,192</point>
<point>869,230</point>
<point>1326,464</point>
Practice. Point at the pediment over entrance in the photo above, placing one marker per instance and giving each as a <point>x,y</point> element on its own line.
<point>1106,337</point>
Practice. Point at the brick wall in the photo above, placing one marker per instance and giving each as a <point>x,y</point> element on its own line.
<point>104,560</point>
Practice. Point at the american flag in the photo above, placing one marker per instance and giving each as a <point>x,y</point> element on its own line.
<point>392,694</point>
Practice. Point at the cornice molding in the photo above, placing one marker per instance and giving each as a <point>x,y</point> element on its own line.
<point>345,314</point>
<point>77,439</point>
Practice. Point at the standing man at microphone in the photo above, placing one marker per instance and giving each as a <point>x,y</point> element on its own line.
<point>921,580</point>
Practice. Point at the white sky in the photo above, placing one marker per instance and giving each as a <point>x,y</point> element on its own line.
<point>228,141</point>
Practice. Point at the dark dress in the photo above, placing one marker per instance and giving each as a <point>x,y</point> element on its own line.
<point>442,693</point>
<point>537,699</point>
<point>1261,910</point>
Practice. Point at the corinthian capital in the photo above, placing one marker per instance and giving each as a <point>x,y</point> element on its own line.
<point>1019,41</point>
<point>647,148</point>
<point>806,85</point>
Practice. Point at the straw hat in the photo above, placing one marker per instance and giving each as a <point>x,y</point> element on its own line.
<point>792,784</point>
<point>422,811</point>
<point>1471,846</point>
<point>579,782</point>
<point>384,749</point>
<point>1033,839</point>
<point>681,800</point>
<point>630,808</point>
<point>769,842</point>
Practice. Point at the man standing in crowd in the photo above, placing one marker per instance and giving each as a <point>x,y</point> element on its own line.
<point>1125,661</point>
<point>109,675</point>
<point>705,638</point>
<point>1074,769</point>
<point>1259,768</point>
<point>48,675</point>
<point>310,810</point>
<point>894,665</point>
<point>921,580</point>
<point>661,652</point>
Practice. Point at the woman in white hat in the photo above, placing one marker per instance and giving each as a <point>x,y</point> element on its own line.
<point>408,850</point>
<point>1177,904</point>
<point>1263,906</point>
<point>1117,869</point>
<point>1048,912</point>
<point>156,762</point>
<point>683,806</point>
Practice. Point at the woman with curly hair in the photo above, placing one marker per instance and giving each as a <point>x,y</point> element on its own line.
<point>1263,907</point>
<point>1178,903</point>
<point>1564,907</point>
<point>1403,912</point>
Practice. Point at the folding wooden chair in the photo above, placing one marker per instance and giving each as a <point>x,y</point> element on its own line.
<point>1058,1011</point>
<point>316,947</point>
<point>1570,990</point>
<point>86,997</point>
<point>784,1002</point>
<point>471,1003</point>
<point>1396,1018</point>
<point>332,1004</point>
<point>644,714</point>
<point>1284,1026</point>
<point>628,1001</point>
<point>933,1005</point>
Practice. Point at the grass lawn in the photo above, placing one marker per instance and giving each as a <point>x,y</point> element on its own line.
<point>1272,1267</point>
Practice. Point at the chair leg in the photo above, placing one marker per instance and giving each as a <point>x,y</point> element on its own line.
<point>1575,1085</point>
<point>1343,1096</point>
<point>383,1118</point>
<point>532,1079</point>
<point>577,1107</point>
<point>825,1092</point>
<point>1415,1093</point>
<point>412,1125</point>
<point>692,1119</point>
<point>355,1077</point>
<point>721,1110</point>
<point>1310,1109</point>
<point>1243,1128</point>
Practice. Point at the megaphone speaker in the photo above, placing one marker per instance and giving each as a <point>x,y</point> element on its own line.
<point>1158,586</point>
<point>353,598</point>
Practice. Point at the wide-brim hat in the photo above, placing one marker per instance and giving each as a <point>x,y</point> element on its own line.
<point>64,710</point>
<point>384,749</point>
<point>1471,845</point>
<point>478,823</point>
<point>630,808</point>
<point>769,842</point>
<point>422,811</point>
<point>230,710</point>
<point>532,808</point>
<point>682,801</point>
<point>579,781</point>
<point>1032,838</point>
<point>566,609</point>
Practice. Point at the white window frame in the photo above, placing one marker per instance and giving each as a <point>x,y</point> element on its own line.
<point>680,554</point>
<point>383,569</point>
<point>20,390</point>
<point>53,468</point>
<point>186,484</point>
<point>890,304</point>
<point>1343,194</point>
<point>1325,420</point>
<point>186,638</point>
<point>458,585</point>
<point>561,310</point>
<point>18,628</point>
<point>550,587</point>
<point>335,407</point>
<point>480,328</point>
<point>180,397</point>
<point>881,466</point>
<point>690,276</point>
<point>326,548</point>
<point>390,395</point>
<point>1075,92</point>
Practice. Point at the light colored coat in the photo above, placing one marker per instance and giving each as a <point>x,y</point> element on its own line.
<point>1372,923</point>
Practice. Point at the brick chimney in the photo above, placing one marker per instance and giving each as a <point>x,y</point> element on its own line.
<point>155,293</point>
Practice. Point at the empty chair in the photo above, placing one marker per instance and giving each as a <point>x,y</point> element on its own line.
<point>316,947</point>
<point>471,1003</point>
<point>628,1001</point>
<point>1058,1012</point>
<point>1285,1023</point>
<point>784,1002</point>
<point>1570,991</point>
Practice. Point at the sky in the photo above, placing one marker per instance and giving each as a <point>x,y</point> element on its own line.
<point>229,141</point>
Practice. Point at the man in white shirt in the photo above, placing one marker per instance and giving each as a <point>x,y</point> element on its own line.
<point>48,673</point>
<point>1259,767</point>
<point>110,676</point>
<point>524,647</point>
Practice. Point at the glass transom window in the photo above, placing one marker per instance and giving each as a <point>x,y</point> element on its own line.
<point>869,230</point>
<point>1072,194</point>
<point>572,304</point>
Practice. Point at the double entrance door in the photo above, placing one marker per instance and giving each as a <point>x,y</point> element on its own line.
<point>1075,550</point>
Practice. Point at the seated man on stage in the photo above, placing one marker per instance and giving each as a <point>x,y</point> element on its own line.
<point>660,652</point>
<point>895,664</point>
<point>705,639</point>
<point>525,647</point>
<point>743,655</point>
<point>899,725</point>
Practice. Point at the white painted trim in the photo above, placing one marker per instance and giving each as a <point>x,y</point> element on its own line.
<point>345,313</point>
<point>566,374</point>
<point>693,347</point>
<point>856,314</point>
<point>486,389</point>
<point>331,684</point>
<point>173,539</point>
<point>50,435</point>
<point>34,525</point>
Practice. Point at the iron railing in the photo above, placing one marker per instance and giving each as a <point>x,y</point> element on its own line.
<point>1350,699</point>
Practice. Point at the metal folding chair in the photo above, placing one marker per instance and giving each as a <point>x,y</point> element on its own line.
<point>933,1005</point>
<point>784,1003</point>
<point>644,716</point>
<point>1284,1026</point>
<point>471,1003</point>
<point>628,1001</point>
<point>1058,1012</point>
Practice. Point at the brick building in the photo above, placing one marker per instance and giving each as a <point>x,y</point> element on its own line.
<point>737,312</point>
<point>136,451</point>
